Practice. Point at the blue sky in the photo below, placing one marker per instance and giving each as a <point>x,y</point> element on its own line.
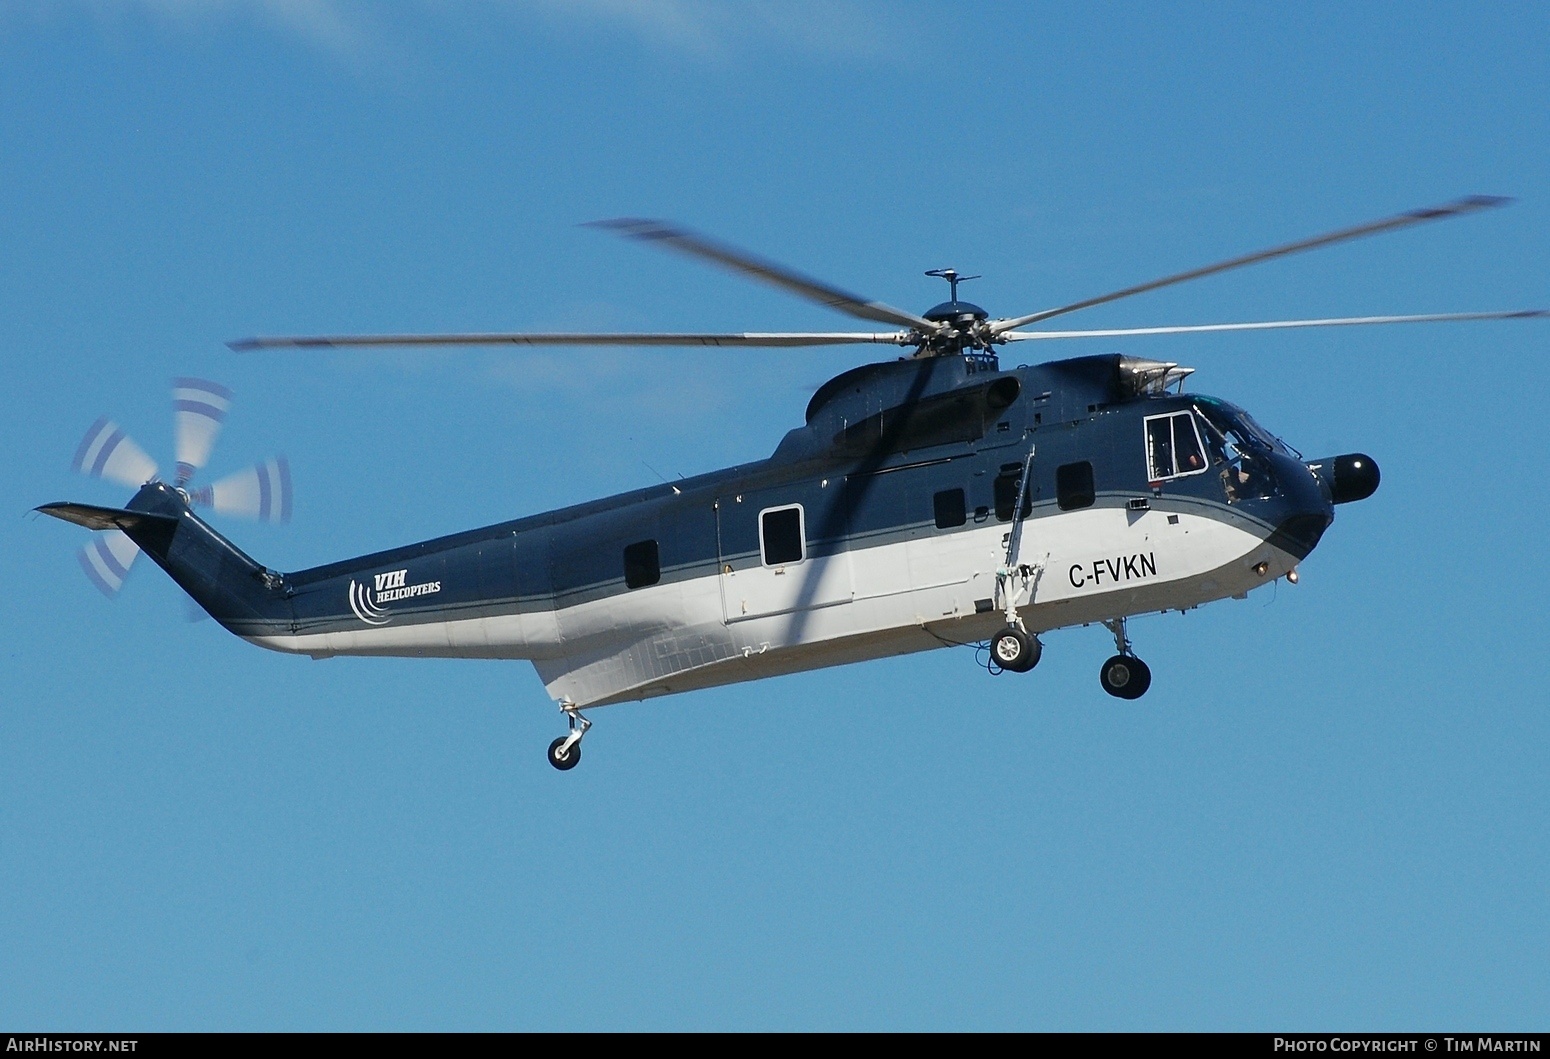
<point>1330,810</point>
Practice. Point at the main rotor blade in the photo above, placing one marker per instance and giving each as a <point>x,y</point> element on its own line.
<point>1275,325</point>
<point>1388,224</point>
<point>792,338</point>
<point>198,409</point>
<point>686,242</point>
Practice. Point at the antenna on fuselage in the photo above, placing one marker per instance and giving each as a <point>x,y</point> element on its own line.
<point>676,491</point>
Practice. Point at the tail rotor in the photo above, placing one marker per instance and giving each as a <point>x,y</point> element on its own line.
<point>261,492</point>
<point>107,560</point>
<point>199,409</point>
<point>107,452</point>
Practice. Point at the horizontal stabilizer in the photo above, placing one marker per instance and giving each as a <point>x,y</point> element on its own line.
<point>104,518</point>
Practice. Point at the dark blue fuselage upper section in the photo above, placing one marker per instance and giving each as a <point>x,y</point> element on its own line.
<point>881,445</point>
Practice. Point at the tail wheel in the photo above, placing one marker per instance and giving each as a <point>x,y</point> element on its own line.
<point>1125,677</point>
<point>571,758</point>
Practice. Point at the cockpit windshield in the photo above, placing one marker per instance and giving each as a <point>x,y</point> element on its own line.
<point>1230,419</point>
<point>1239,448</point>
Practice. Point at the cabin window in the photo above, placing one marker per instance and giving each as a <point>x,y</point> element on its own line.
<point>1074,485</point>
<point>642,564</point>
<point>1173,447</point>
<point>1007,485</point>
<point>780,535</point>
<point>950,508</point>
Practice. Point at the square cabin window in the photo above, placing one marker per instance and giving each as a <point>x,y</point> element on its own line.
<point>1008,484</point>
<point>642,564</point>
<point>1074,486</point>
<point>780,535</point>
<point>950,508</point>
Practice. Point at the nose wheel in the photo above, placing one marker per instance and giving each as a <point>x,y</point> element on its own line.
<point>1124,676</point>
<point>565,752</point>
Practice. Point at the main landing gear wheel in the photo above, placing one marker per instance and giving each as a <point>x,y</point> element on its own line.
<point>1015,650</point>
<point>563,757</point>
<point>1125,677</point>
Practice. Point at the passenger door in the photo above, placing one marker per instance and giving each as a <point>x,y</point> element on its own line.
<point>782,551</point>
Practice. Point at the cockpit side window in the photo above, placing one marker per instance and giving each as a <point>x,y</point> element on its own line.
<point>1173,447</point>
<point>1159,448</point>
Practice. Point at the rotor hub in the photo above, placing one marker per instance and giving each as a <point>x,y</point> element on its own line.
<point>961,324</point>
<point>957,313</point>
<point>963,329</point>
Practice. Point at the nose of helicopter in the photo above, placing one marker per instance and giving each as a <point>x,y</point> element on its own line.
<point>1301,509</point>
<point>1310,505</point>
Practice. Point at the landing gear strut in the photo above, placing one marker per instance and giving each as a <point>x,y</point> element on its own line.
<point>1124,676</point>
<point>1015,650</point>
<point>565,752</point>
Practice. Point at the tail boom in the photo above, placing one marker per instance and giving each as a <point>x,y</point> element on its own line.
<point>453,598</point>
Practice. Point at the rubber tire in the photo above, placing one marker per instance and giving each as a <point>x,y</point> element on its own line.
<point>571,759</point>
<point>1136,677</point>
<point>1025,656</point>
<point>1035,652</point>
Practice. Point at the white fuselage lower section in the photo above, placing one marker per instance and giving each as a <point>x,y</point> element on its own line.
<point>873,600</point>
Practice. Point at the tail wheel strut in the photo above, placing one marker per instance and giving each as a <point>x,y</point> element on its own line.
<point>565,752</point>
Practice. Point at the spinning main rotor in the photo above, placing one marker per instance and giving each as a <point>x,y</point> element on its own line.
<point>951,328</point>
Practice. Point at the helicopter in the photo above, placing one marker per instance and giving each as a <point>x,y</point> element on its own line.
<point>931,500</point>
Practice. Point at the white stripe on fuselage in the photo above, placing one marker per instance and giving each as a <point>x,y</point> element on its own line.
<point>1088,565</point>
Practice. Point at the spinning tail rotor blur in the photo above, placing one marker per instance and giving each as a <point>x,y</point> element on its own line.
<point>261,492</point>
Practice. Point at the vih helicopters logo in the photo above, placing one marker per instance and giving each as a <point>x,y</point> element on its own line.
<point>366,600</point>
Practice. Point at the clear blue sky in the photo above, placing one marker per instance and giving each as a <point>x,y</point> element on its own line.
<point>1330,811</point>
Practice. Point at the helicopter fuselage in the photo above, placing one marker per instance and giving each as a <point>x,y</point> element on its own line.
<point>924,503</point>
